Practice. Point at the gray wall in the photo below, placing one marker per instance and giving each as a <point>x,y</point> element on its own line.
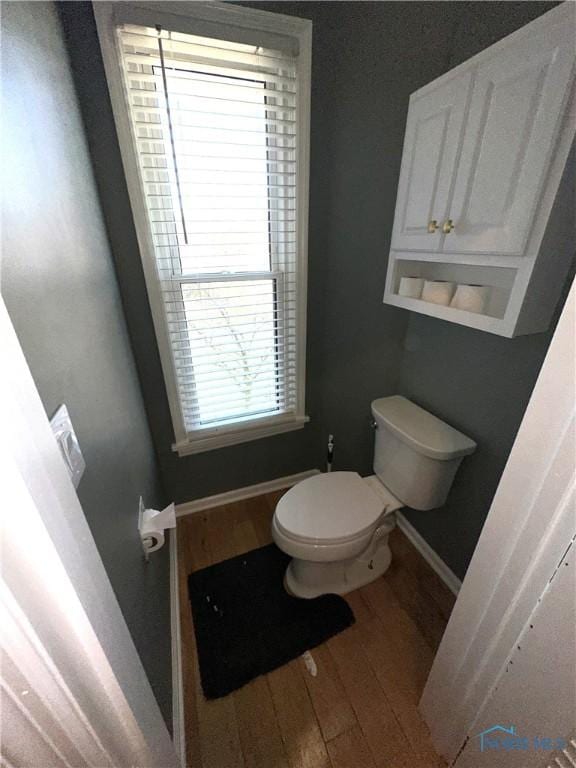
<point>476,381</point>
<point>480,384</point>
<point>359,100</point>
<point>190,477</point>
<point>60,288</point>
<point>367,59</point>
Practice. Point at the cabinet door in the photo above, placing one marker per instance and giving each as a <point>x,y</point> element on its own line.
<point>431,144</point>
<point>518,101</point>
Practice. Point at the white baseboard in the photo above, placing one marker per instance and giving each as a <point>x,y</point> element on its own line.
<point>208,502</point>
<point>434,561</point>
<point>178,725</point>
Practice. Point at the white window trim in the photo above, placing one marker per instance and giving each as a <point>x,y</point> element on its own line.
<point>108,16</point>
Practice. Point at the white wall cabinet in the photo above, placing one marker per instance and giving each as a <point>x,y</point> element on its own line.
<point>433,135</point>
<point>485,154</point>
<point>517,104</point>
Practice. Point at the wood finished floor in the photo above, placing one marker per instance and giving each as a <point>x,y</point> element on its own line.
<point>360,711</point>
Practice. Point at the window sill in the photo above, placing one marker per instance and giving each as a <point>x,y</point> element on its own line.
<point>200,445</point>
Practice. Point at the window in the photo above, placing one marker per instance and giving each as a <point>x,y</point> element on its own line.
<point>212,114</point>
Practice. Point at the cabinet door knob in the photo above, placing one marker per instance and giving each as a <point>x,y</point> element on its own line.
<point>432,226</point>
<point>448,226</point>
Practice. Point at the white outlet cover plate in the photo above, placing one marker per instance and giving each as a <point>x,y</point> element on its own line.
<point>68,444</point>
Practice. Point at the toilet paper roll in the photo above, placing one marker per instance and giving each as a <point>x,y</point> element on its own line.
<point>471,298</point>
<point>411,287</point>
<point>438,292</point>
<point>152,524</point>
<point>152,540</point>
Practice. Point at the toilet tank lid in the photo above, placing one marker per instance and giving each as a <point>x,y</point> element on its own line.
<point>424,432</point>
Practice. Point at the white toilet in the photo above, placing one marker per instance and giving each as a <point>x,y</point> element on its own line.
<point>335,526</point>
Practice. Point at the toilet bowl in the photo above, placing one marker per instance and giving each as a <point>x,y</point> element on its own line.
<point>335,526</point>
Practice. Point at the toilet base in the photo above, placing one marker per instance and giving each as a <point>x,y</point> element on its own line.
<point>307,579</point>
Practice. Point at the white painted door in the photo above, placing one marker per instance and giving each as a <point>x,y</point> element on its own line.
<point>536,692</point>
<point>527,534</point>
<point>74,691</point>
<point>431,144</point>
<point>518,99</point>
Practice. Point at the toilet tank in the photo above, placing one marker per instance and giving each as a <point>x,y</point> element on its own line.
<point>416,455</point>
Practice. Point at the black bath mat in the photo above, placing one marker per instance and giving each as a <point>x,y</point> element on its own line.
<point>246,624</point>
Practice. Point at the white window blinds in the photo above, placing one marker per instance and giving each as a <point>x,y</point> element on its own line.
<point>215,129</point>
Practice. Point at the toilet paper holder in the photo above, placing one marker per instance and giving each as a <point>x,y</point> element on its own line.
<point>151,525</point>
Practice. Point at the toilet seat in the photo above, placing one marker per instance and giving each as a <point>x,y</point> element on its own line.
<point>334,508</point>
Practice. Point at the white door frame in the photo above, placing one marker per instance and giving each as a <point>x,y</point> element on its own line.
<point>529,527</point>
<point>74,689</point>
